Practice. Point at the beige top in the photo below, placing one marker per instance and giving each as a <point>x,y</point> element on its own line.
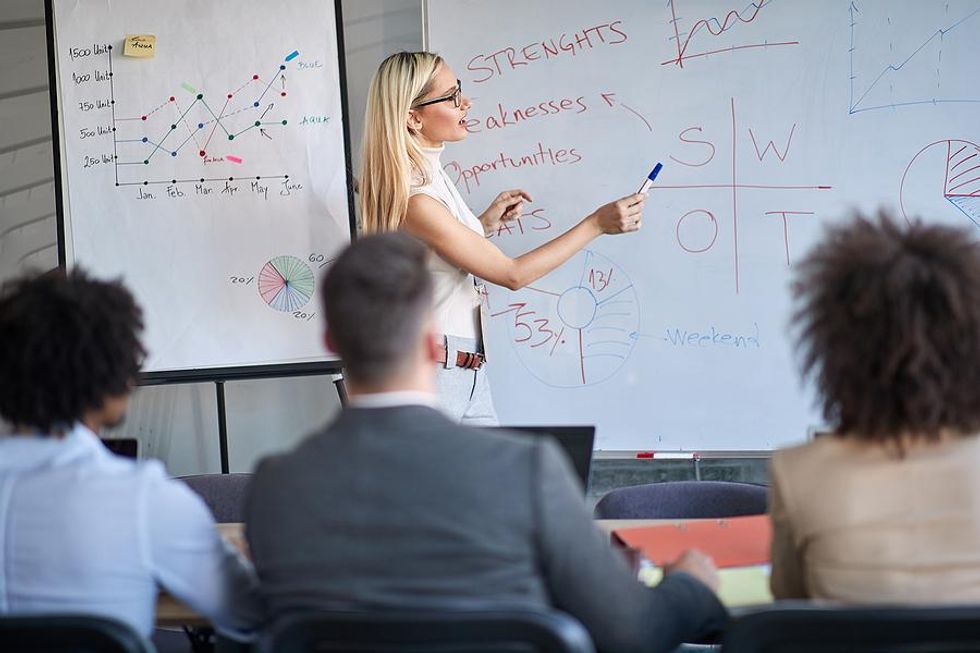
<point>856,522</point>
<point>457,300</point>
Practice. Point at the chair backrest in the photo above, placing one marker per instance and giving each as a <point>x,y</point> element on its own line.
<point>856,630</point>
<point>224,494</point>
<point>431,632</point>
<point>69,634</point>
<point>683,500</point>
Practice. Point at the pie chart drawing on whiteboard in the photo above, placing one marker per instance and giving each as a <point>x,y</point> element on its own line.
<point>286,283</point>
<point>576,326</point>
<point>942,183</point>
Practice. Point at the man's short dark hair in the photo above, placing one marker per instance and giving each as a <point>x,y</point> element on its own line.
<point>67,343</point>
<point>377,296</point>
<point>889,324</point>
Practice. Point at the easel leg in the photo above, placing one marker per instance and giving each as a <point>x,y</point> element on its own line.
<point>338,382</point>
<point>219,387</point>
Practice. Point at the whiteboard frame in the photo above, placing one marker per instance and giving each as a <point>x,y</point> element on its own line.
<point>239,372</point>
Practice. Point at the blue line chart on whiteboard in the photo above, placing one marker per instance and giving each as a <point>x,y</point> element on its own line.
<point>908,54</point>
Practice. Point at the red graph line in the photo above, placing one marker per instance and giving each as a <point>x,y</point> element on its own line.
<point>217,121</point>
<point>581,355</point>
<point>731,48</point>
<point>957,153</point>
<point>183,117</point>
<point>731,19</point>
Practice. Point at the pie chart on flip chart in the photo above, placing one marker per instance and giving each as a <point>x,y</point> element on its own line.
<point>286,283</point>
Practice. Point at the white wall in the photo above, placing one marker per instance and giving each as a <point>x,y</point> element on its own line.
<point>177,424</point>
<point>27,220</point>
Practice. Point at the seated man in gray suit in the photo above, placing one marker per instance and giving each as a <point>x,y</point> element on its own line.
<point>394,506</point>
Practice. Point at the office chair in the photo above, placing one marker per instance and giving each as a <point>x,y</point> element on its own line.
<point>223,493</point>
<point>683,500</point>
<point>821,629</point>
<point>69,634</point>
<point>429,632</point>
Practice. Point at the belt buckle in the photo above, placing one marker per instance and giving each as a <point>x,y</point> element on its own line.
<point>469,360</point>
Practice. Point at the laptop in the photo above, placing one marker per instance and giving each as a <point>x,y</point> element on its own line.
<point>125,447</point>
<point>576,441</point>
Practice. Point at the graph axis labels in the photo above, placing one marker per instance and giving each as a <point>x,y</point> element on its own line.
<point>286,283</point>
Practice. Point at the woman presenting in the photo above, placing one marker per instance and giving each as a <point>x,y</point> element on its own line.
<point>415,105</point>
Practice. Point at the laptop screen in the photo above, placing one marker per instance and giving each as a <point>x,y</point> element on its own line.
<point>125,447</point>
<point>577,442</point>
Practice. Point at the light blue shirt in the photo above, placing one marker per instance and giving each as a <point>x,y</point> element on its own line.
<point>86,532</point>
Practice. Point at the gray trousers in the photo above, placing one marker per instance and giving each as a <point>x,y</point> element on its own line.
<point>464,394</point>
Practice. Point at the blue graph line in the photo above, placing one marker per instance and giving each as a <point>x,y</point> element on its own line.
<point>894,105</point>
<point>219,119</point>
<point>271,80</point>
<point>940,33</point>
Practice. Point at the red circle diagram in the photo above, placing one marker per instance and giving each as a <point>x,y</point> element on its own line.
<point>713,230</point>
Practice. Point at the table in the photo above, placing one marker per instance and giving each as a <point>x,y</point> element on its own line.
<point>736,583</point>
<point>171,612</point>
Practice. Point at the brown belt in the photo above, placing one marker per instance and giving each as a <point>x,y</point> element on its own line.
<point>465,359</point>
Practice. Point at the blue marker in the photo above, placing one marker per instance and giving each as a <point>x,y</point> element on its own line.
<point>652,177</point>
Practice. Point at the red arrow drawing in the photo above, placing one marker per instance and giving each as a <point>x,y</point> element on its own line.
<point>608,97</point>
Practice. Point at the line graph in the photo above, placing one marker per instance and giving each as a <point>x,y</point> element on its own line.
<point>185,127</point>
<point>934,67</point>
<point>713,27</point>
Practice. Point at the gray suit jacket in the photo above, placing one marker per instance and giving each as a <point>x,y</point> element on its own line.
<point>402,508</point>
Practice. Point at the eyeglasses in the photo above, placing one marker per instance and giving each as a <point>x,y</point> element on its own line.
<point>456,96</point>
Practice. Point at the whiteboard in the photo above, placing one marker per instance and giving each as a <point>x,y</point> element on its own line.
<point>211,177</point>
<point>772,119</point>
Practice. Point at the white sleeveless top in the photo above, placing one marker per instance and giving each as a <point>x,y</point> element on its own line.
<point>457,300</point>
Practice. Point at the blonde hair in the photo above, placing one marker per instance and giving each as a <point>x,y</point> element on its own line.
<point>391,155</point>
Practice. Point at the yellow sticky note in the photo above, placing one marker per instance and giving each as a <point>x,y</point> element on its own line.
<point>140,45</point>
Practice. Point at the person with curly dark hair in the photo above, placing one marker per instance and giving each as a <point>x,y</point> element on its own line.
<point>85,531</point>
<point>886,508</point>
